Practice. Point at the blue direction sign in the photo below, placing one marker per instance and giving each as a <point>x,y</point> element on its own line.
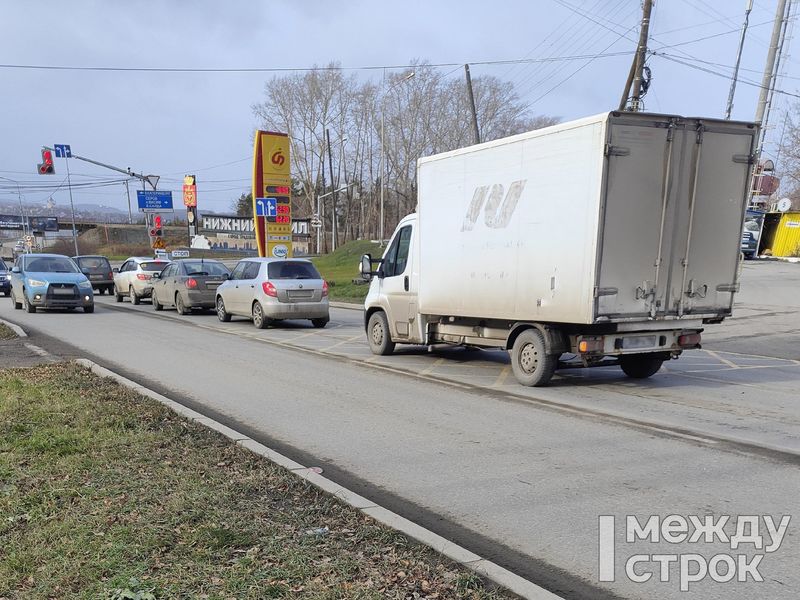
<point>266,207</point>
<point>63,151</point>
<point>154,201</point>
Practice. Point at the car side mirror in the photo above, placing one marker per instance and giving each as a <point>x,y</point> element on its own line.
<point>15,269</point>
<point>156,275</point>
<point>115,270</point>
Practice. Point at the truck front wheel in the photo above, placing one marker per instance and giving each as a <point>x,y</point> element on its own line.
<point>530,362</point>
<point>640,366</point>
<point>380,340</point>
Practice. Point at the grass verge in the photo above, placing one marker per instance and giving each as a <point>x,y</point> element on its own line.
<point>6,333</point>
<point>106,494</point>
<point>341,267</point>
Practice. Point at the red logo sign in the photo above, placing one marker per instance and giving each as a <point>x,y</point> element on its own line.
<point>278,158</point>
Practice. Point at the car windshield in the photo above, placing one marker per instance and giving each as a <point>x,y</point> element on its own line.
<point>199,267</point>
<point>155,266</point>
<point>292,270</point>
<point>3,266</point>
<point>50,264</point>
<point>93,262</point>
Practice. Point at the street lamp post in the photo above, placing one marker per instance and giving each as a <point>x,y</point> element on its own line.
<point>383,145</point>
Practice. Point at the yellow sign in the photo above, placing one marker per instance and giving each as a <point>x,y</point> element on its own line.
<point>158,244</point>
<point>189,191</point>
<point>272,196</point>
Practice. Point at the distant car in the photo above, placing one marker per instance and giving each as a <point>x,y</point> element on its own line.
<point>49,281</point>
<point>19,248</point>
<point>267,290</point>
<point>188,283</point>
<point>5,278</point>
<point>135,277</point>
<point>98,270</point>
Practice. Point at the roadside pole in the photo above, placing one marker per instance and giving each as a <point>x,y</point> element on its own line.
<point>72,209</point>
<point>475,130</point>
<point>128,193</point>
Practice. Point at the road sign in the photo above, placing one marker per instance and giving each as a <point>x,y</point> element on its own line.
<point>189,191</point>
<point>154,201</point>
<point>159,244</point>
<point>266,207</point>
<point>63,150</point>
<point>180,254</point>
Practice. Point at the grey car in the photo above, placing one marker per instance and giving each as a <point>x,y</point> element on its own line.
<point>188,283</point>
<point>135,278</point>
<point>267,290</point>
<point>98,270</point>
<point>5,278</point>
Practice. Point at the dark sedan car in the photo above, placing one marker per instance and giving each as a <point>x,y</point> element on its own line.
<point>98,270</point>
<point>5,278</point>
<point>188,283</point>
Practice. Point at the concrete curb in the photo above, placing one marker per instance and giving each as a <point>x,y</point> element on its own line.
<point>347,305</point>
<point>485,568</point>
<point>15,328</point>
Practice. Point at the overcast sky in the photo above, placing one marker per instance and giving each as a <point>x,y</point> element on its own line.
<point>176,123</point>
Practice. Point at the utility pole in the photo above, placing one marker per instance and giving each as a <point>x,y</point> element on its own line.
<point>128,192</point>
<point>333,188</point>
<point>769,67</point>
<point>475,129</point>
<point>637,67</point>
<point>72,209</point>
<point>732,91</point>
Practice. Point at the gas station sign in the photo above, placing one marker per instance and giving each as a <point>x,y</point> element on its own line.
<point>272,198</point>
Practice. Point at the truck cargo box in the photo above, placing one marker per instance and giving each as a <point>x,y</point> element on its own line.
<point>612,218</point>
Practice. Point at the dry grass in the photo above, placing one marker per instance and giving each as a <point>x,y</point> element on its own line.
<point>106,494</point>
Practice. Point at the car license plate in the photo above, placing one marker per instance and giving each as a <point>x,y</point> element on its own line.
<point>63,292</point>
<point>95,276</point>
<point>642,341</point>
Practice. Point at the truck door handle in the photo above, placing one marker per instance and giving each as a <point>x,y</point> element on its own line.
<point>405,282</point>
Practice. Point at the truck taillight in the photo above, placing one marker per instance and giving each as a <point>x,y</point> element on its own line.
<point>324,288</point>
<point>587,345</point>
<point>689,340</point>
<point>191,283</point>
<point>269,289</point>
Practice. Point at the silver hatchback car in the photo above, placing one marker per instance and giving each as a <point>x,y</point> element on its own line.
<point>267,290</point>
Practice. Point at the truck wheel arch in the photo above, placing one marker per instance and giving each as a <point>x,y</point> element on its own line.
<point>369,312</point>
<point>556,340</point>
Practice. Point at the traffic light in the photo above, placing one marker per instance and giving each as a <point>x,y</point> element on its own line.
<point>46,167</point>
<point>157,231</point>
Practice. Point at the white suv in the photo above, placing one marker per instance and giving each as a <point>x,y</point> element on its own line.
<point>135,277</point>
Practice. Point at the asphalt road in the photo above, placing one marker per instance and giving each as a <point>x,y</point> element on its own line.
<point>519,475</point>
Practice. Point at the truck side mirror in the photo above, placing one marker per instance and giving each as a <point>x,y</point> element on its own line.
<point>366,267</point>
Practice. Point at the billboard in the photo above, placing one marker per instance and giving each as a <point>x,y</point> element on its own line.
<point>37,224</point>
<point>272,205</point>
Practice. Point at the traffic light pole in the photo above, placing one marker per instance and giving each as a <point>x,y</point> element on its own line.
<point>72,209</point>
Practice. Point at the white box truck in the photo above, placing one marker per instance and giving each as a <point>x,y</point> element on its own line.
<point>614,237</point>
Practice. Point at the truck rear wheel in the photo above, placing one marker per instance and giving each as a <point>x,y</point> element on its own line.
<point>378,336</point>
<point>530,362</point>
<point>640,366</point>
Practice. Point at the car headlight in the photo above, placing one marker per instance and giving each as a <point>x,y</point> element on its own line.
<point>36,283</point>
<point>85,284</point>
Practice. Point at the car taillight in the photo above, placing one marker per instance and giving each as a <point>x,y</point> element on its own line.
<point>269,289</point>
<point>111,275</point>
<point>324,288</point>
<point>142,276</point>
<point>689,340</point>
<point>191,284</point>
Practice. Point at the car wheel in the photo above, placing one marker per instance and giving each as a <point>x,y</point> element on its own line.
<point>180,306</point>
<point>132,294</point>
<point>88,309</point>
<point>259,320</point>
<point>17,305</point>
<point>119,297</point>
<point>378,336</point>
<point>156,304</point>
<point>320,323</point>
<point>530,362</point>
<point>26,304</point>
<point>222,314</point>
<point>640,366</point>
